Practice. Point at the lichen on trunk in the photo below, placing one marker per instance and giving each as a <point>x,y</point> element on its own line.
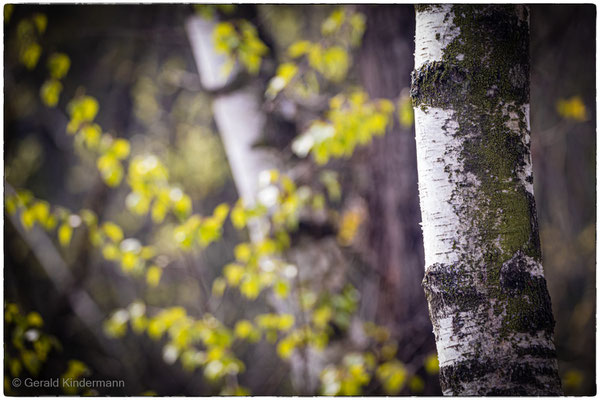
<point>484,280</point>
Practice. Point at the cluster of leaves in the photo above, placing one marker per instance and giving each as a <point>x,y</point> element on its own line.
<point>134,258</point>
<point>260,264</point>
<point>238,41</point>
<point>199,343</point>
<point>357,369</point>
<point>351,121</point>
<point>110,151</point>
<point>330,57</point>
<point>29,349</point>
<point>29,32</point>
<point>209,11</point>
<point>58,66</point>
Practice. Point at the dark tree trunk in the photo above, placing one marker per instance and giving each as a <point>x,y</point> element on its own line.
<point>394,236</point>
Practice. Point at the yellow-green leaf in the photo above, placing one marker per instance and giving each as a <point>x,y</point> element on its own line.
<point>120,148</point>
<point>35,319</point>
<point>129,261</point>
<point>233,273</point>
<point>111,252</point>
<point>333,23</point>
<point>238,217</point>
<point>298,49</point>
<point>572,108</point>
<point>220,212</point>
<point>50,92</point>
<point>432,365</point>
<point>250,287</point>
<point>243,329</point>
<point>113,231</point>
<point>153,275</point>
<point>40,21</point>
<point>64,234</point>
<point>30,55</point>
<point>58,64</point>
<point>243,252</point>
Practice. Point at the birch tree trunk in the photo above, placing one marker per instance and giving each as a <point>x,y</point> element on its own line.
<point>484,280</point>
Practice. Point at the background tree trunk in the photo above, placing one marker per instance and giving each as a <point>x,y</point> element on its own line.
<point>484,279</point>
<point>394,237</point>
<point>242,123</point>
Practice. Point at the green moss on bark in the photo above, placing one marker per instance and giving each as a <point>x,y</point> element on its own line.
<point>483,77</point>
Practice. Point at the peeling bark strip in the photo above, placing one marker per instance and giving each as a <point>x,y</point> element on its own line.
<point>484,280</point>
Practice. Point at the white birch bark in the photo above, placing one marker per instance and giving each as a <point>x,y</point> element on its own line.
<point>484,279</point>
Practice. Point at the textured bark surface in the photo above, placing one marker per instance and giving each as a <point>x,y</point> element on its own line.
<point>484,281</point>
<point>394,238</point>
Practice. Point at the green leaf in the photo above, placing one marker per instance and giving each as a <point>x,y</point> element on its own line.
<point>35,319</point>
<point>50,92</point>
<point>40,21</point>
<point>432,365</point>
<point>243,329</point>
<point>238,216</point>
<point>243,252</point>
<point>183,206</point>
<point>113,231</point>
<point>233,273</point>
<point>209,231</point>
<point>285,73</point>
<point>159,211</point>
<point>83,109</point>
<point>129,261</point>
<point>281,289</point>
<point>40,211</point>
<point>335,63</point>
<point>120,148</point>
<point>285,323</point>
<point>250,287</point>
<point>153,275</point>
<point>58,64</point>
<point>110,169</point>
<point>572,108</point>
<point>220,212</point>
<point>30,55</point>
<point>111,252</point>
<point>416,384</point>
<point>286,347</point>
<point>91,134</point>
<point>333,23</point>
<point>64,234</point>
<point>358,24</point>
<point>405,111</point>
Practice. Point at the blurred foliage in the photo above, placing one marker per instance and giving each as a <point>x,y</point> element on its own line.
<point>239,42</point>
<point>351,121</point>
<point>572,108</point>
<point>152,196</point>
<point>26,350</point>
